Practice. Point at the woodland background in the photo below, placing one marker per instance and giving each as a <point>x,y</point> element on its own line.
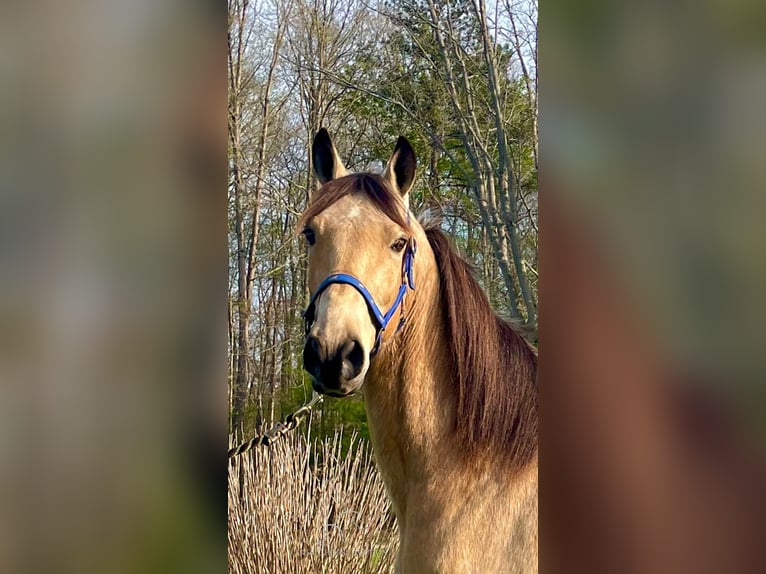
<point>458,78</point>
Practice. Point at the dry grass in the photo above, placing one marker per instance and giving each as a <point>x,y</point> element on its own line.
<point>296,507</point>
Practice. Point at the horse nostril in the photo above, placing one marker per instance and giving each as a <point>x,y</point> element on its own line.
<point>332,367</point>
<point>312,356</point>
<point>352,357</point>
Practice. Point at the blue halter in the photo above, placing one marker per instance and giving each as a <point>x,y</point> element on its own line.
<point>381,320</point>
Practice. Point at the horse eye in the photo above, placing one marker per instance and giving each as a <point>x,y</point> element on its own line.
<point>399,244</point>
<point>308,233</point>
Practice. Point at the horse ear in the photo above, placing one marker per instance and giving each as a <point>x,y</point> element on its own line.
<point>400,169</point>
<point>327,162</point>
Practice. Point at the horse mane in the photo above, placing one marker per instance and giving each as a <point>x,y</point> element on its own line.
<point>495,368</point>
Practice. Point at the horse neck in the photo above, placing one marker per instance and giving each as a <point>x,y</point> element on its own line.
<point>409,407</point>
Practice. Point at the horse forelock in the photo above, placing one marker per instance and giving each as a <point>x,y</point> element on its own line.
<point>371,185</point>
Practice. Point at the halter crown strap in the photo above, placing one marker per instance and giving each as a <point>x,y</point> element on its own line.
<point>381,319</point>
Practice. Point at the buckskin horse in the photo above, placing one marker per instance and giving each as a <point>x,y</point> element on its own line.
<point>449,387</point>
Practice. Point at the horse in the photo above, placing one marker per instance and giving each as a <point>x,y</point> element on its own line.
<point>449,388</point>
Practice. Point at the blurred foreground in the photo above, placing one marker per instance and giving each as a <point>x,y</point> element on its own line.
<point>652,282</point>
<point>112,287</point>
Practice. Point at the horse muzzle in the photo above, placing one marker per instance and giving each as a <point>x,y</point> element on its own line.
<point>336,371</point>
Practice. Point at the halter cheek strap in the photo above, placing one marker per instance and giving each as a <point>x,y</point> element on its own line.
<point>381,319</point>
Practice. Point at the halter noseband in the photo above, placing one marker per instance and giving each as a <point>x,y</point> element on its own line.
<point>382,320</point>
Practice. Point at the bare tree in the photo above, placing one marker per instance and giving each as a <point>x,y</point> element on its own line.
<point>486,145</point>
<point>248,107</point>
